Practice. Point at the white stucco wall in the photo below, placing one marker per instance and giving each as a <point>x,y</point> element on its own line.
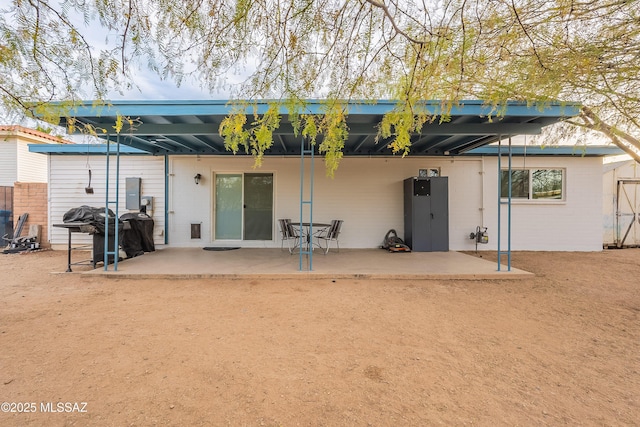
<point>574,224</point>
<point>69,176</point>
<point>367,194</point>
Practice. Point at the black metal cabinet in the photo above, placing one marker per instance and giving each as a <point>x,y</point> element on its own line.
<point>426,214</point>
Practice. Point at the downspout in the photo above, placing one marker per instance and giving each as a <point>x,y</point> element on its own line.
<point>49,221</point>
<point>482,181</point>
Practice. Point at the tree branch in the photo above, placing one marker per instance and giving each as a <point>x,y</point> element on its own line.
<point>124,37</point>
<point>387,13</point>
<point>526,33</point>
<point>592,121</point>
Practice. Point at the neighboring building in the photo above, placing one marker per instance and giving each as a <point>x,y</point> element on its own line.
<point>621,204</point>
<point>23,179</point>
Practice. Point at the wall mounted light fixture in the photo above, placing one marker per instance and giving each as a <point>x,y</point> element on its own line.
<point>197,178</point>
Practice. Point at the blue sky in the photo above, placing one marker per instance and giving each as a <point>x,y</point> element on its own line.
<point>150,86</point>
<point>147,85</point>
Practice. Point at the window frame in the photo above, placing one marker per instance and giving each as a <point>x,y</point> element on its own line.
<point>530,190</point>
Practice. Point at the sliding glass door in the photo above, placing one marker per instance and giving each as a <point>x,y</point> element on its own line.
<point>244,206</point>
<point>258,206</point>
<point>228,207</point>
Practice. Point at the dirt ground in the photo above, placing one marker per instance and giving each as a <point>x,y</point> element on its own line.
<point>562,348</point>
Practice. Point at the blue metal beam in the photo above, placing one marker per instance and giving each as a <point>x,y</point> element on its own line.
<point>81,149</point>
<point>129,108</point>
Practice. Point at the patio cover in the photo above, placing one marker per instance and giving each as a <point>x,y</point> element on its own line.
<point>170,127</point>
<point>166,127</point>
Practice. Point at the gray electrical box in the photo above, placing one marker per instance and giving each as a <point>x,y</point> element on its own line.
<point>426,214</point>
<point>133,193</point>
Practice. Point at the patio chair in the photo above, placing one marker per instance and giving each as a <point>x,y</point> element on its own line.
<point>331,235</point>
<point>288,233</point>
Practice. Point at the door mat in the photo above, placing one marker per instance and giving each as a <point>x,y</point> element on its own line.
<point>213,248</point>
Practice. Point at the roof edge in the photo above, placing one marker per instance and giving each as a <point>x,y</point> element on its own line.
<point>17,130</point>
<point>556,150</point>
<point>316,106</point>
<point>84,149</point>
<point>567,151</point>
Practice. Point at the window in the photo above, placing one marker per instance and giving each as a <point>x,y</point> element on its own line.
<point>519,184</point>
<point>428,173</point>
<point>533,184</point>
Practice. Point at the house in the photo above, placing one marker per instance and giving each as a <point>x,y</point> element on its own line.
<point>556,223</point>
<point>203,195</point>
<point>23,179</point>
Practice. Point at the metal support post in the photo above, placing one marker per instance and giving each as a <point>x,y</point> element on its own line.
<point>501,202</point>
<point>306,248</point>
<point>108,202</point>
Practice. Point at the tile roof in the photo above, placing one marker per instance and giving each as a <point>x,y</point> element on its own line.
<point>17,129</point>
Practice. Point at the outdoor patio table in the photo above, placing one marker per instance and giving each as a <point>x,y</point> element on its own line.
<point>76,227</point>
<point>310,230</point>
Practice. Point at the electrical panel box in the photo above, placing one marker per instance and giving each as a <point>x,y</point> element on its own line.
<point>133,186</point>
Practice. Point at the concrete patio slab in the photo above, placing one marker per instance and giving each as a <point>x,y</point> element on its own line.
<point>185,263</point>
